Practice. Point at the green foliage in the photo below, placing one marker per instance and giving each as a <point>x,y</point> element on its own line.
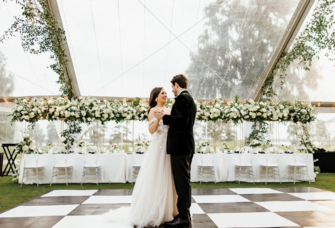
<point>259,132</point>
<point>40,33</point>
<point>68,134</point>
<point>317,36</point>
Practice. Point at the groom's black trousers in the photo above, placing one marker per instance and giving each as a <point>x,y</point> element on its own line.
<point>181,165</point>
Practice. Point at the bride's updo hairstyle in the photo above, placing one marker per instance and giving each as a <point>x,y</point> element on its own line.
<point>153,95</point>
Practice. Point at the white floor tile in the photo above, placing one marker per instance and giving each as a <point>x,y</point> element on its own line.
<point>89,222</point>
<point>319,226</point>
<point>255,219</point>
<point>219,199</point>
<point>315,195</point>
<point>283,206</point>
<point>196,209</point>
<point>32,211</point>
<point>70,193</point>
<point>108,199</point>
<point>254,190</point>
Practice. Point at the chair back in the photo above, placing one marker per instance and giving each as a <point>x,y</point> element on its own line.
<point>60,159</point>
<point>138,159</point>
<point>272,159</point>
<point>245,159</point>
<point>246,149</point>
<point>300,158</point>
<point>30,159</point>
<point>207,159</point>
<point>91,159</point>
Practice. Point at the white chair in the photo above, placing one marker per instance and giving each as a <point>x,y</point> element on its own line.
<point>272,165</point>
<point>31,167</point>
<point>137,163</point>
<point>244,167</point>
<point>60,163</point>
<point>300,166</point>
<point>91,162</point>
<point>207,162</point>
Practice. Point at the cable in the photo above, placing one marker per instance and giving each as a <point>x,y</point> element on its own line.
<point>74,56</point>
<point>147,57</point>
<point>168,51</point>
<point>118,8</point>
<point>184,45</point>
<point>96,44</point>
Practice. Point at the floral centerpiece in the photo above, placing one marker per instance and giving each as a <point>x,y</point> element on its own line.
<point>255,143</point>
<point>27,145</point>
<point>224,147</point>
<point>140,146</point>
<point>82,145</point>
<point>114,148</point>
<point>203,147</point>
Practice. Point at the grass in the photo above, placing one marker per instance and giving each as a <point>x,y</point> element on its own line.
<point>11,194</point>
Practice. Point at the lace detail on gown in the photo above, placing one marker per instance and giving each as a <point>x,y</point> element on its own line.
<point>154,196</point>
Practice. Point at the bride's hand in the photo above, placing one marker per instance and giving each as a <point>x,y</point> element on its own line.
<point>159,114</point>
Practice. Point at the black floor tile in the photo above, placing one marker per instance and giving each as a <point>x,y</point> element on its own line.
<point>60,200</point>
<point>30,222</point>
<point>232,207</point>
<point>300,190</point>
<point>223,191</point>
<point>118,192</point>
<point>271,197</point>
<point>95,209</point>
<point>310,218</point>
<point>202,221</point>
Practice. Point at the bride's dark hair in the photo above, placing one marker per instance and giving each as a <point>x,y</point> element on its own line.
<point>153,95</point>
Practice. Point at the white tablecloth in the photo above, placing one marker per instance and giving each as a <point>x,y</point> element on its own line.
<point>117,168</point>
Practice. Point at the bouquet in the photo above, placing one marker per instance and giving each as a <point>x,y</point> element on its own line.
<point>27,145</point>
<point>140,146</point>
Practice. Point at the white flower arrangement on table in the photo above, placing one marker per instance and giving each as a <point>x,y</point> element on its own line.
<point>27,145</point>
<point>82,144</point>
<point>204,147</point>
<point>86,110</point>
<point>255,143</point>
<point>114,148</point>
<point>224,147</point>
<point>140,145</point>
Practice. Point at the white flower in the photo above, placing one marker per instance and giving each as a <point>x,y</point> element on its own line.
<point>32,115</point>
<point>51,110</point>
<point>97,114</point>
<point>57,113</point>
<point>264,115</point>
<point>105,116</point>
<point>83,113</point>
<point>25,148</point>
<point>207,114</point>
<point>67,114</point>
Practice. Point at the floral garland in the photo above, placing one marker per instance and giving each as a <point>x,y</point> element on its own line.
<point>317,36</point>
<point>305,140</point>
<point>86,110</point>
<point>40,33</point>
<point>27,145</point>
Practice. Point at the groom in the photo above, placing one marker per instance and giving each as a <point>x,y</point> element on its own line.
<point>180,144</point>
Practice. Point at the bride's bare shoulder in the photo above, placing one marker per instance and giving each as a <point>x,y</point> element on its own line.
<point>167,110</point>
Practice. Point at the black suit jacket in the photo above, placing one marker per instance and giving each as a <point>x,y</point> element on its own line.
<point>180,138</point>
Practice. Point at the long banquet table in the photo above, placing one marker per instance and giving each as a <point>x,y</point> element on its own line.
<point>118,168</point>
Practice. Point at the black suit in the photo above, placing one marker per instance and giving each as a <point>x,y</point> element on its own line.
<point>180,144</point>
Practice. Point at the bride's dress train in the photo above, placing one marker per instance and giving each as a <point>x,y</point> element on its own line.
<point>154,196</point>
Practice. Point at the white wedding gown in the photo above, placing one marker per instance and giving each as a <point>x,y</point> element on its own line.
<point>154,196</point>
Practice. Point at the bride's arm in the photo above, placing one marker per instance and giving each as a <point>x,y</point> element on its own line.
<point>152,126</point>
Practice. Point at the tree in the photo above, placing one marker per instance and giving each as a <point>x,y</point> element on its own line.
<point>292,130</point>
<point>38,134</point>
<point>7,85</point>
<point>237,44</point>
<point>52,133</point>
<point>117,133</point>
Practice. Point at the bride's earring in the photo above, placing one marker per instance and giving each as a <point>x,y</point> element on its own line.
<point>156,100</point>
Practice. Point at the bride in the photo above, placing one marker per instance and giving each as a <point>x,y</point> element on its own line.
<point>154,198</point>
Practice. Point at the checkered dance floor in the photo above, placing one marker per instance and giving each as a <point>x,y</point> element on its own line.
<point>235,207</point>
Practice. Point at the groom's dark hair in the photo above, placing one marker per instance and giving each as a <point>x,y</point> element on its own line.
<point>181,80</point>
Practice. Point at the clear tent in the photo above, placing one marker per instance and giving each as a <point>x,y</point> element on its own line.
<point>125,48</point>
